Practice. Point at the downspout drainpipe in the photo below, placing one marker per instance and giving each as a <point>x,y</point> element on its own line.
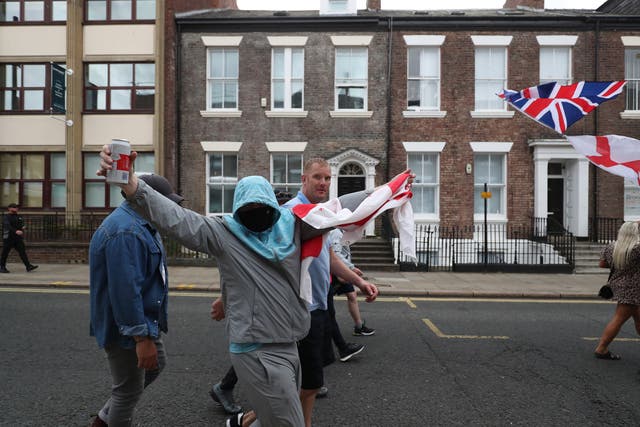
<point>595,126</point>
<point>178,89</point>
<point>389,103</point>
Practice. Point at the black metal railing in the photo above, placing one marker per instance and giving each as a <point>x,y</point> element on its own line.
<point>498,247</point>
<point>79,227</point>
<point>604,230</point>
<point>61,227</point>
<point>453,248</point>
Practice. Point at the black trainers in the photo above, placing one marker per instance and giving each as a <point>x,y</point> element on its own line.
<point>235,421</point>
<point>31,268</point>
<point>224,398</point>
<point>322,392</point>
<point>4,270</point>
<point>363,331</point>
<point>350,350</point>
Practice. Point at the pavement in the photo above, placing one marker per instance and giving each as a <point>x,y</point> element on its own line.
<point>398,284</point>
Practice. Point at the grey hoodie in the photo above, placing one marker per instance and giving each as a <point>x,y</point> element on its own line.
<point>261,297</point>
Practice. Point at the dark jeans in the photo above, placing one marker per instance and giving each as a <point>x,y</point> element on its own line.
<point>7,245</point>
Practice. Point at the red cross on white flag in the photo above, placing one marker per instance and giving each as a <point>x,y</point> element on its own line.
<point>619,155</point>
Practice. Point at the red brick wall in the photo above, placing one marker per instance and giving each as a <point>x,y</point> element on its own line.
<point>54,252</point>
<point>325,136</point>
<point>170,113</point>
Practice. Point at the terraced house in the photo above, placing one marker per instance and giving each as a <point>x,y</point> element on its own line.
<point>376,91</point>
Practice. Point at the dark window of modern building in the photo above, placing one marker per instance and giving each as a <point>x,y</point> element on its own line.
<point>120,10</point>
<point>25,88</point>
<point>30,11</point>
<point>121,87</point>
<point>96,192</point>
<point>33,180</point>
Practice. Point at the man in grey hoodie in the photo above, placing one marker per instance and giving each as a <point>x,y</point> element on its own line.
<point>258,254</point>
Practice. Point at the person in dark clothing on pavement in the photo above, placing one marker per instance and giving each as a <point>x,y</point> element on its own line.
<point>13,237</point>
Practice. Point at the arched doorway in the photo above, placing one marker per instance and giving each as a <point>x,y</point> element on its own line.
<point>351,178</point>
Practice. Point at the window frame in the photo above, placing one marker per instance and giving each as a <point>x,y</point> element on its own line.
<point>631,190</point>
<point>287,79</point>
<point>502,215</point>
<point>428,148</point>
<point>285,186</point>
<point>503,78</point>
<point>420,185</point>
<point>108,10</point>
<point>632,88</point>
<point>133,88</point>
<point>563,80</point>
<point>224,182</point>
<point>108,188</point>
<point>46,89</point>
<point>47,181</point>
<point>421,79</point>
<point>224,79</point>
<point>47,12</point>
<point>349,82</point>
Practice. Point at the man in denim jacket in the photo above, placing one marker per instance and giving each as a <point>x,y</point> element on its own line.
<point>129,295</point>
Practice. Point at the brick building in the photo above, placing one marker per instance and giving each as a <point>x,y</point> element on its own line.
<point>376,91</point>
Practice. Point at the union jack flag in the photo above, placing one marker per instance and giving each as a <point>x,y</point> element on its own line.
<point>557,106</point>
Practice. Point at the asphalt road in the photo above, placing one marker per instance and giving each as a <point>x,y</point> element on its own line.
<point>431,362</point>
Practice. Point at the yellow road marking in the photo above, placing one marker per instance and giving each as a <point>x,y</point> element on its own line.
<point>439,333</point>
<point>410,303</point>
<point>514,300</point>
<point>46,291</point>
<point>617,339</point>
<point>185,286</point>
<point>405,300</point>
<point>61,283</point>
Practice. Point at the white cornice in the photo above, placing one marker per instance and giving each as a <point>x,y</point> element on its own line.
<point>223,146</point>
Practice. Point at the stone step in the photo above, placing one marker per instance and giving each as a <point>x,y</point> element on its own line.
<point>373,254</point>
<point>366,267</point>
<point>591,270</point>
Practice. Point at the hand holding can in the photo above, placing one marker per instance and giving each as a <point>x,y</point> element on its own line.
<point>120,153</point>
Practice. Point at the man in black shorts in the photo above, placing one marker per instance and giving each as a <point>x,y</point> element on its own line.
<point>316,350</point>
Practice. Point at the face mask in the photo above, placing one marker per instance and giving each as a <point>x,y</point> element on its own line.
<point>258,219</point>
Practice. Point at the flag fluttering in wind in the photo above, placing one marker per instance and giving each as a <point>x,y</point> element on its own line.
<point>393,195</point>
<point>619,155</point>
<point>557,106</point>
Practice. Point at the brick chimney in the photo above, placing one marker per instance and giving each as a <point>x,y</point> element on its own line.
<point>373,4</point>
<point>225,4</point>
<point>533,4</point>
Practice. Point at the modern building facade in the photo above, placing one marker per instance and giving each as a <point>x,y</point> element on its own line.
<point>111,51</point>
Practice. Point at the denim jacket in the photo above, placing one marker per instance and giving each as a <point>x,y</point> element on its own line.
<point>128,280</point>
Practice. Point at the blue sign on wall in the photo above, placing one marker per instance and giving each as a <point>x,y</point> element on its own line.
<point>58,89</point>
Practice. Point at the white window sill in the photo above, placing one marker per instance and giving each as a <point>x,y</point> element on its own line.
<point>492,114</point>
<point>630,114</point>
<point>221,113</point>
<point>351,114</point>
<point>478,219</point>
<point>426,219</point>
<point>436,114</point>
<point>286,113</point>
